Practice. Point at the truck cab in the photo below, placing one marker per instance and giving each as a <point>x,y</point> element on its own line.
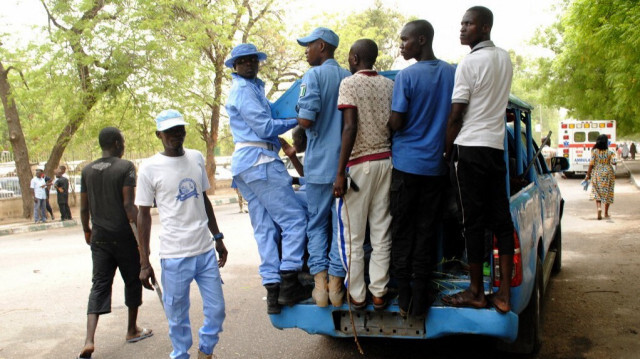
<point>536,208</point>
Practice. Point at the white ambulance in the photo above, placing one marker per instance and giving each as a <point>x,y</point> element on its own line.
<point>576,139</point>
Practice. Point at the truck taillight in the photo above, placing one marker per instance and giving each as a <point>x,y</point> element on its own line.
<point>565,151</point>
<point>516,276</point>
<point>564,125</point>
<point>610,124</point>
<point>565,137</point>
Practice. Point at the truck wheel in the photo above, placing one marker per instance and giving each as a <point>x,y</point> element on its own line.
<point>557,246</point>
<point>528,340</point>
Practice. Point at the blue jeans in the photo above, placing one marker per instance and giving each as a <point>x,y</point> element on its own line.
<point>39,210</point>
<point>277,218</point>
<point>322,213</point>
<point>177,275</point>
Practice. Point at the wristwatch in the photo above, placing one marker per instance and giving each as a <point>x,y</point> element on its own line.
<point>218,236</point>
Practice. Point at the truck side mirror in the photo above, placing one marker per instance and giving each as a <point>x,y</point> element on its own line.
<point>559,164</point>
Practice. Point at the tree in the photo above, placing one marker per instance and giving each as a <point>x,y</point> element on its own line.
<point>16,137</point>
<point>206,32</point>
<point>597,65</point>
<point>378,23</point>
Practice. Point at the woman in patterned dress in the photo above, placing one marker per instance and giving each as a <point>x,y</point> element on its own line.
<point>602,174</point>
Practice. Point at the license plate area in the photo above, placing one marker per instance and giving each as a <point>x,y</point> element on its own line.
<point>379,324</point>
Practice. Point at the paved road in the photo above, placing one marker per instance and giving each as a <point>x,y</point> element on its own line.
<point>45,279</point>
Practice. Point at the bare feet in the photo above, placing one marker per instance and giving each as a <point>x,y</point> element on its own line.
<point>466,299</point>
<point>140,334</point>
<point>499,302</point>
<point>86,351</point>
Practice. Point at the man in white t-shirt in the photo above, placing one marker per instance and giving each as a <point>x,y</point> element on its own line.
<point>177,179</point>
<point>39,192</point>
<point>477,128</point>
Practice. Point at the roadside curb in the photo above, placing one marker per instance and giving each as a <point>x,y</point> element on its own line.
<point>631,176</point>
<point>22,228</point>
<point>33,227</point>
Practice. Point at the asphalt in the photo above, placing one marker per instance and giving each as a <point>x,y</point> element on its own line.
<point>628,168</point>
<point>15,226</point>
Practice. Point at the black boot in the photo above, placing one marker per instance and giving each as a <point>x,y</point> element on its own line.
<point>423,298</point>
<point>291,290</point>
<point>404,296</point>
<point>273,289</point>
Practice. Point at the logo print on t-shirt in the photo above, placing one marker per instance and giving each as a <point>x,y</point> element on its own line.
<point>187,188</point>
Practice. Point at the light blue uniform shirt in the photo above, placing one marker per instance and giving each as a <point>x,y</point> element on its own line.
<point>422,91</point>
<point>318,102</point>
<point>250,120</point>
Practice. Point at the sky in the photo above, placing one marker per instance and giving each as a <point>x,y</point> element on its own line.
<point>515,21</point>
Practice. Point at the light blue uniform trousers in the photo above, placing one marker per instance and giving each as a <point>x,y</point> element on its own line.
<point>177,275</point>
<point>321,214</point>
<point>276,216</point>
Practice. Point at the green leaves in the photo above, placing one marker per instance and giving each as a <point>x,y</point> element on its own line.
<point>595,72</point>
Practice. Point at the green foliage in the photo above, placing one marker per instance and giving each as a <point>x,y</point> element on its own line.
<point>378,23</point>
<point>596,71</point>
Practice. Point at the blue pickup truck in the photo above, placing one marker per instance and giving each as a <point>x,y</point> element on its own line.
<point>536,209</point>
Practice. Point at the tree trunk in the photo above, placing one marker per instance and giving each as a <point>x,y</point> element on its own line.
<point>212,139</point>
<point>18,143</point>
<point>66,135</point>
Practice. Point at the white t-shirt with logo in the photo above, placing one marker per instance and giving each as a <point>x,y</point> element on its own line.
<point>177,184</point>
<point>483,81</point>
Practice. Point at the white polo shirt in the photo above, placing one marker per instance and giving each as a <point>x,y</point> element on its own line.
<point>483,81</point>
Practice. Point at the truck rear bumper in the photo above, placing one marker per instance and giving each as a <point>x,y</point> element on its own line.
<point>441,321</point>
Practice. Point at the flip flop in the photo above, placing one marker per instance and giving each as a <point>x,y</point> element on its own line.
<point>144,334</point>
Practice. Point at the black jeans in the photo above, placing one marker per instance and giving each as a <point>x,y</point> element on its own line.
<point>480,177</point>
<point>107,255</point>
<point>65,211</point>
<point>416,210</point>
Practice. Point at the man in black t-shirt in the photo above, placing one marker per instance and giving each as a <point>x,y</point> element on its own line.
<point>61,185</point>
<point>107,198</point>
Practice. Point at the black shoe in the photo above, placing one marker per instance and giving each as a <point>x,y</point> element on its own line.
<point>291,290</point>
<point>423,298</point>
<point>273,289</point>
<point>404,296</point>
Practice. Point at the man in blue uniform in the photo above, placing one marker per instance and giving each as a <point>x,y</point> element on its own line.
<point>264,181</point>
<point>319,115</point>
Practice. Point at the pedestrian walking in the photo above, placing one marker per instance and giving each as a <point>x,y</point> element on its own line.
<point>602,175</point>
<point>106,209</point>
<point>176,179</point>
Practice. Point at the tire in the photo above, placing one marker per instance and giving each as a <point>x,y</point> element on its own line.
<point>557,247</point>
<point>528,340</point>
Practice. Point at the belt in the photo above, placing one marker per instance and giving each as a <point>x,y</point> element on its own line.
<point>265,145</point>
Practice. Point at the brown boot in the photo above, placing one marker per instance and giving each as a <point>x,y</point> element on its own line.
<point>336,290</point>
<point>320,292</point>
<point>202,355</point>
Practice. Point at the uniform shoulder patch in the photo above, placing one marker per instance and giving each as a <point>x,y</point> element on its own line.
<point>303,90</point>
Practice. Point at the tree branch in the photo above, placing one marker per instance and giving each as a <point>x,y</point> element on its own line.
<point>51,18</point>
<point>6,72</point>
